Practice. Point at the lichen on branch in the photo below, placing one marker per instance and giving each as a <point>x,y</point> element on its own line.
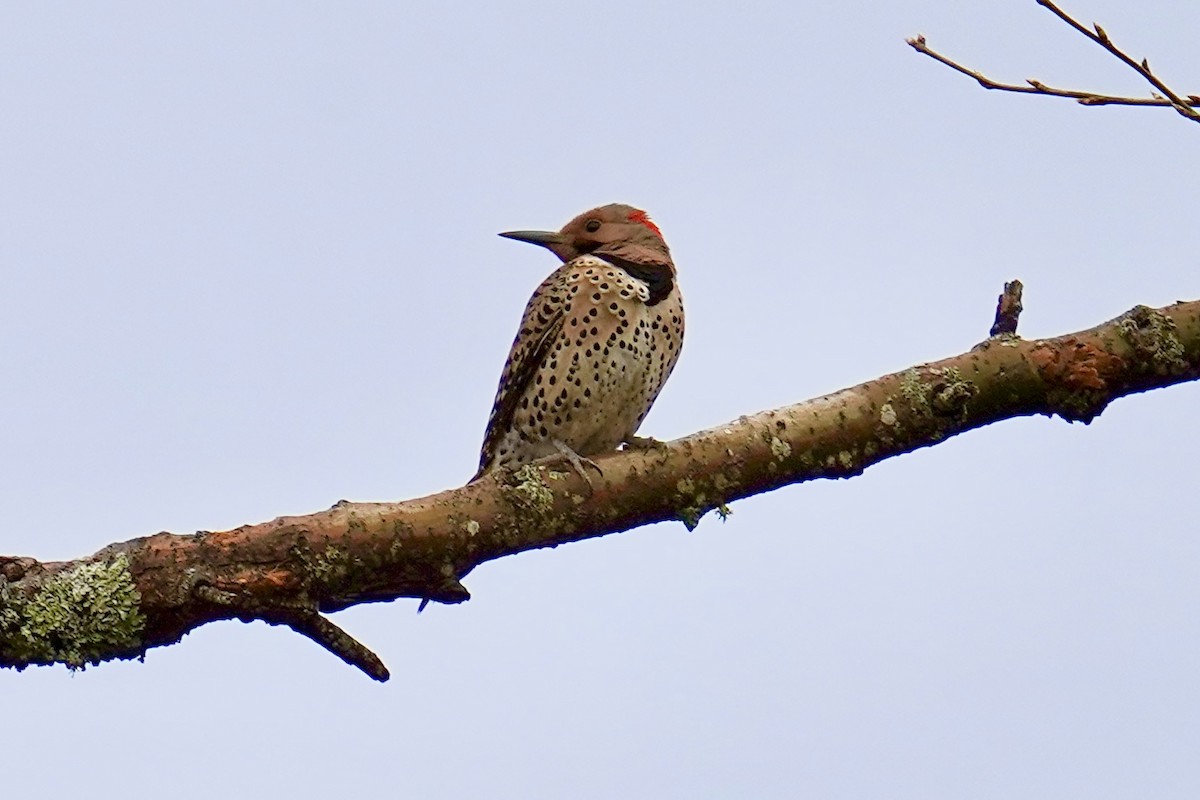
<point>149,592</point>
<point>80,615</point>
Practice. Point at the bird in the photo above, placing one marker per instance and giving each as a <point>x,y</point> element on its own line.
<point>597,341</point>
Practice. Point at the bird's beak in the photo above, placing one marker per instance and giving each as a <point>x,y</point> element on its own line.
<point>543,238</point>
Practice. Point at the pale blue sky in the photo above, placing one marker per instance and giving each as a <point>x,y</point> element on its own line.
<point>251,268</point>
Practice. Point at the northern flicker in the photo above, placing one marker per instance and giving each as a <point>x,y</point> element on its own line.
<point>597,341</point>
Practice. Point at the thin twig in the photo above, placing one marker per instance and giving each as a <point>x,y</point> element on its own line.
<point>1168,99</point>
<point>320,630</point>
<point>305,621</point>
<point>1099,36</point>
<point>919,44</point>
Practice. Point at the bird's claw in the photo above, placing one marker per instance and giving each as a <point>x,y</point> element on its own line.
<point>577,462</point>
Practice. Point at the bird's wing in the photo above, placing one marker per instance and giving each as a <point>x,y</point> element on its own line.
<point>540,326</point>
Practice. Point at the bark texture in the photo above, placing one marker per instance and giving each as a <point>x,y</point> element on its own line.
<point>150,591</point>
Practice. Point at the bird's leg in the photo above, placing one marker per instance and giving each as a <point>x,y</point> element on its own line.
<point>644,443</point>
<point>576,461</point>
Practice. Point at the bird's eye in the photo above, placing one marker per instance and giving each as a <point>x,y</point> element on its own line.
<point>592,226</point>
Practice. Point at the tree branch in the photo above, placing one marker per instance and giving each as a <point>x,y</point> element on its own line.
<point>149,592</point>
<point>1168,97</point>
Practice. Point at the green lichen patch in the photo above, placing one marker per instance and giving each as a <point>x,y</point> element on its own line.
<point>695,498</point>
<point>1077,405</point>
<point>332,564</point>
<point>1152,335</point>
<point>951,392</point>
<point>692,503</point>
<point>532,504</point>
<point>529,492</point>
<point>916,392</point>
<point>78,617</point>
<point>940,393</point>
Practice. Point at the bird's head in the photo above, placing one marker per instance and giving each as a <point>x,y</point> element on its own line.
<point>614,228</point>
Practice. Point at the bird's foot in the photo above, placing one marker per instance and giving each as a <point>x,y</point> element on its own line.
<point>644,443</point>
<point>576,461</point>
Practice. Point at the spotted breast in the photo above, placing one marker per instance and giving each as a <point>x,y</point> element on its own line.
<point>597,341</point>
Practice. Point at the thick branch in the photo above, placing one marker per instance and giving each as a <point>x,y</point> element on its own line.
<point>150,591</point>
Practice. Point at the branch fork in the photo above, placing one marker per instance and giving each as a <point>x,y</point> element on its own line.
<point>1164,96</point>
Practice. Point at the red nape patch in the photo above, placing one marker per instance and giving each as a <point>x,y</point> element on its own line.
<point>641,216</point>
